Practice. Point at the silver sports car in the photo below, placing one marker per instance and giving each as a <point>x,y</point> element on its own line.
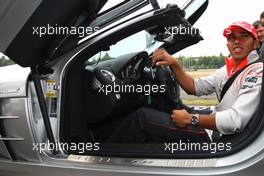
<point>82,66</point>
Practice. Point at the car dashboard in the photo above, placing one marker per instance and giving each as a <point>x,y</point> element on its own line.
<point>109,81</point>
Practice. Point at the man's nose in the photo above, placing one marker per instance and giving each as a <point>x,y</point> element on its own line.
<point>237,40</point>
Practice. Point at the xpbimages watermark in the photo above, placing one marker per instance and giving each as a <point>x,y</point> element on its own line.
<point>75,147</point>
<point>63,30</point>
<point>123,88</point>
<point>197,147</point>
<point>181,30</point>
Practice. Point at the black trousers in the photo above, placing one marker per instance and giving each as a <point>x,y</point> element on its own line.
<point>147,125</point>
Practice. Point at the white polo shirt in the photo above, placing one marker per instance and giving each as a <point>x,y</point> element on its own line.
<point>240,101</point>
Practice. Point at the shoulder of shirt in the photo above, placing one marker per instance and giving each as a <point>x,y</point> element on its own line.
<point>223,68</point>
<point>253,70</point>
<point>255,66</point>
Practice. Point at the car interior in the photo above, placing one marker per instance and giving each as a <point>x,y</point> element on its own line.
<point>90,113</point>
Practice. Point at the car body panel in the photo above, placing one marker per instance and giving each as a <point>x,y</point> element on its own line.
<point>16,131</point>
<point>22,126</point>
<point>13,85</point>
<point>21,43</point>
<point>11,29</point>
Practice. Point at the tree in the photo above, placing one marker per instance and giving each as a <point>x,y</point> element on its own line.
<point>203,62</point>
<point>106,57</point>
<point>5,61</point>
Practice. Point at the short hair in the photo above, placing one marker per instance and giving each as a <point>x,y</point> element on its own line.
<point>258,23</point>
<point>262,15</point>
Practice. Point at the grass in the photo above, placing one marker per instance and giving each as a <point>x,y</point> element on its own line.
<point>200,73</point>
<point>200,101</point>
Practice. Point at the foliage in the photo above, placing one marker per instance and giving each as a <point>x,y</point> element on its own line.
<point>4,61</point>
<point>202,62</point>
<point>190,63</point>
<point>106,57</point>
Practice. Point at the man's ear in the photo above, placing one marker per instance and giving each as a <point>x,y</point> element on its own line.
<point>256,44</point>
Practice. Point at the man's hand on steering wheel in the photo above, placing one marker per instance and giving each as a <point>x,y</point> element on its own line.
<point>162,58</point>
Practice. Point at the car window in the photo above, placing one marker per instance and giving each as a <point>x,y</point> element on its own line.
<point>141,41</point>
<point>112,4</point>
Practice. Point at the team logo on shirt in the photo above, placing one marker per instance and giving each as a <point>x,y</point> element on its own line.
<point>251,79</point>
<point>250,82</point>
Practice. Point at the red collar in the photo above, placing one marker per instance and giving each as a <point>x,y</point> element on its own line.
<point>230,65</point>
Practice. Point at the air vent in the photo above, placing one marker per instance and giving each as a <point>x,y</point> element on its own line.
<point>108,75</point>
<point>9,138</point>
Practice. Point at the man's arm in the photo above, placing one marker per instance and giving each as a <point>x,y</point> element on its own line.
<point>182,119</point>
<point>162,58</point>
<point>235,118</point>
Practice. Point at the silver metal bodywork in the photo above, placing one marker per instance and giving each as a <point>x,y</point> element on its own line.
<point>16,131</point>
<point>22,127</point>
<point>13,82</point>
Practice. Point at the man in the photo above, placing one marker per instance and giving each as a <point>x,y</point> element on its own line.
<point>259,26</point>
<point>230,116</point>
<point>262,17</point>
<point>262,47</point>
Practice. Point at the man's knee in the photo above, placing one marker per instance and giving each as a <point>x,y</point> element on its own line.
<point>144,114</point>
<point>142,111</point>
<point>148,115</point>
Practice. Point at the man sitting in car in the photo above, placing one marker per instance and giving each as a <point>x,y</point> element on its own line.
<point>230,116</point>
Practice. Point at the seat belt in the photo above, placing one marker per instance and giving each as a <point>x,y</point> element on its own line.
<point>232,79</point>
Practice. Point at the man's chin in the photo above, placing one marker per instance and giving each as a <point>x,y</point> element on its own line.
<point>238,57</point>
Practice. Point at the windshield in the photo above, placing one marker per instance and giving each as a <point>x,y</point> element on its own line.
<point>112,4</point>
<point>141,41</point>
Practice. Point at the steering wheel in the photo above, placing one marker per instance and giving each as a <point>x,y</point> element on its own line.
<point>165,77</point>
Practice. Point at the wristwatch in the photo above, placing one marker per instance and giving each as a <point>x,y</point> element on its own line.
<point>195,120</point>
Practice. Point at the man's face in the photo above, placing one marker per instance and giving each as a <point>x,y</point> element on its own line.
<point>260,33</point>
<point>240,43</point>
